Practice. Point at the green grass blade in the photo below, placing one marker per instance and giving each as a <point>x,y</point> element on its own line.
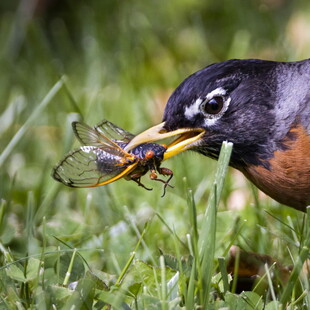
<point>3,205</point>
<point>216,191</point>
<point>131,258</point>
<point>163,283</point>
<point>207,237</point>
<point>68,273</point>
<point>42,105</point>
<point>190,296</point>
<point>304,253</point>
<point>223,270</point>
<point>29,220</point>
<point>236,268</point>
<point>269,278</point>
<point>171,230</point>
<point>125,269</point>
<point>193,217</point>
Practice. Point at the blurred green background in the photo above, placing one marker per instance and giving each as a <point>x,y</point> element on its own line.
<point>120,60</point>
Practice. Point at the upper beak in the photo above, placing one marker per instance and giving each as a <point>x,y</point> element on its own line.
<point>186,140</point>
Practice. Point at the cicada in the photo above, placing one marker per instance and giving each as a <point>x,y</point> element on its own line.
<point>102,159</point>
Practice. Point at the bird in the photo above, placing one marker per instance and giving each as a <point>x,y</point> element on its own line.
<point>262,107</point>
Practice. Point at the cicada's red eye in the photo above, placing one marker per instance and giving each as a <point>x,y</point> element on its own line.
<point>149,154</point>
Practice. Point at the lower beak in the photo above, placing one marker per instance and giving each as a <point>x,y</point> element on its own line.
<point>186,140</point>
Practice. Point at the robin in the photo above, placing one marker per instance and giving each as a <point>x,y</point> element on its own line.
<point>263,107</point>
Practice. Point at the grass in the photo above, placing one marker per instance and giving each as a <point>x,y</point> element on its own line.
<point>120,245</point>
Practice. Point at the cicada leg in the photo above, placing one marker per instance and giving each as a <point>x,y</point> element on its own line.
<point>162,171</point>
<point>136,178</point>
<point>165,171</point>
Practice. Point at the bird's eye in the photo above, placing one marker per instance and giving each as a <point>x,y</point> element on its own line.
<point>213,106</point>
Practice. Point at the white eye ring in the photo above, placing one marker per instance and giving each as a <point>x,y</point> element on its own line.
<point>214,106</point>
<point>198,106</point>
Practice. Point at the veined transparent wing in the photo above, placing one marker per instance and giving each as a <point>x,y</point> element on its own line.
<point>90,166</point>
<point>114,132</point>
<point>93,137</point>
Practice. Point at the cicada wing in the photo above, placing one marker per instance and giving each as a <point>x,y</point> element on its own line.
<point>85,134</point>
<point>92,137</point>
<point>90,166</point>
<point>114,132</point>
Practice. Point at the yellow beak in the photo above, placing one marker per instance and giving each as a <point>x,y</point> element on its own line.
<point>186,140</point>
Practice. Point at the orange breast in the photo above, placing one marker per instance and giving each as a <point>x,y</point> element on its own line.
<point>288,179</point>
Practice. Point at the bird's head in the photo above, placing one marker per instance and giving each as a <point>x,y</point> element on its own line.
<point>232,101</point>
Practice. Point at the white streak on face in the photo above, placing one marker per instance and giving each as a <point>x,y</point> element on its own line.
<point>193,109</point>
<point>220,91</point>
